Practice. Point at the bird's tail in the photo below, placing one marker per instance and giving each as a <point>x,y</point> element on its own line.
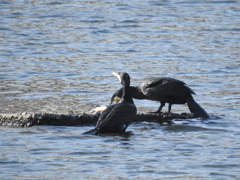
<point>91,132</point>
<point>195,108</point>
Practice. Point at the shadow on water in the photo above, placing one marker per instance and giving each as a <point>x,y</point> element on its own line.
<point>123,136</point>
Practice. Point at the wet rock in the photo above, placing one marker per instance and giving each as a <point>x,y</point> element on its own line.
<point>27,119</point>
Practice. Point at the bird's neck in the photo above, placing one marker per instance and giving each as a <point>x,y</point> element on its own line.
<point>136,93</point>
<point>126,97</point>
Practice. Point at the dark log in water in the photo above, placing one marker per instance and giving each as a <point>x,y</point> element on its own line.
<point>31,119</point>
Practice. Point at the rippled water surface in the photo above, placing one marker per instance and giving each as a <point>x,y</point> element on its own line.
<point>57,56</point>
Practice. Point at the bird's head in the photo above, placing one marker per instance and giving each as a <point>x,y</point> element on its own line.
<point>123,77</point>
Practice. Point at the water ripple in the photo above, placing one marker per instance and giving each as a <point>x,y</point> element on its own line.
<point>58,56</point>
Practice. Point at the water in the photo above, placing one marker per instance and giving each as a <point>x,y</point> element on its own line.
<point>183,151</point>
<point>58,56</point>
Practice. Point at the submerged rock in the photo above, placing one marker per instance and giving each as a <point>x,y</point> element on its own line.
<point>27,119</point>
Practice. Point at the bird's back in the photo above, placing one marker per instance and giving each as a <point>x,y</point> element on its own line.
<point>156,88</point>
<point>116,118</point>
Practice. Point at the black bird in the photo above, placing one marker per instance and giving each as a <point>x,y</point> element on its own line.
<point>164,90</point>
<point>116,118</point>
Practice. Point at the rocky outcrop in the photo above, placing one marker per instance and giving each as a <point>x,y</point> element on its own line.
<point>27,119</point>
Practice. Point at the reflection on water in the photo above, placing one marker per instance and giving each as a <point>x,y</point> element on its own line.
<point>57,56</point>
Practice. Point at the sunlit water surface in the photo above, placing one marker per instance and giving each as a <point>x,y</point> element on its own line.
<point>56,56</point>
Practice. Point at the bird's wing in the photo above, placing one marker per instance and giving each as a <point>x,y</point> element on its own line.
<point>164,86</point>
<point>105,113</point>
<point>117,113</point>
<point>161,81</point>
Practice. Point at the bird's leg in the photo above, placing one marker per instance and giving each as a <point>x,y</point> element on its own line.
<point>160,108</point>
<point>169,108</point>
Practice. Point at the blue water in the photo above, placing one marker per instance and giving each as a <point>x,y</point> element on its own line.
<point>57,56</point>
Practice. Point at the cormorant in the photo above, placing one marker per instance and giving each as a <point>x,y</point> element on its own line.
<point>164,90</point>
<point>116,118</point>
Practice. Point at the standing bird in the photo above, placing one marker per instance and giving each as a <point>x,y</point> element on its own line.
<point>116,118</point>
<point>164,90</point>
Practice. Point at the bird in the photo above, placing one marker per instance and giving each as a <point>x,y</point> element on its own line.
<point>117,117</point>
<point>164,90</point>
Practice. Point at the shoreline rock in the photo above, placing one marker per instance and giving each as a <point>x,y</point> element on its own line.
<point>27,119</point>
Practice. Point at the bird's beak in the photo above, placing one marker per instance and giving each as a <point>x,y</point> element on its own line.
<point>117,75</point>
<point>117,99</point>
